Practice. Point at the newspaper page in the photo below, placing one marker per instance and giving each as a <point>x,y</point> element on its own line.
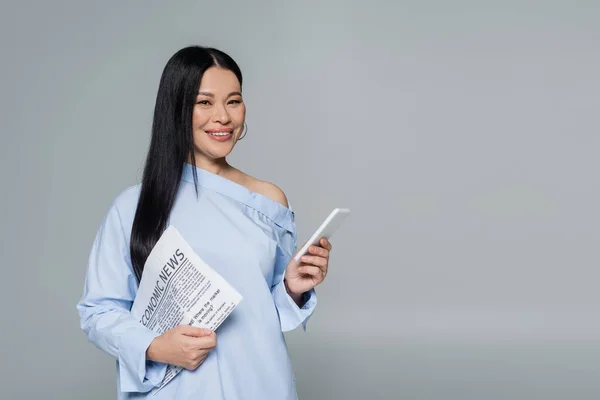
<point>178,287</point>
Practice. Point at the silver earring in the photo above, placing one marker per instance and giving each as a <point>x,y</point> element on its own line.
<point>245,131</point>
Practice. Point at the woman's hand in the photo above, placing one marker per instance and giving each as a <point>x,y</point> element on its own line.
<point>184,346</point>
<point>302,276</point>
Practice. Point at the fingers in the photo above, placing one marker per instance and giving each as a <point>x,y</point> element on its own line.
<point>193,331</point>
<point>316,264</point>
<point>319,251</point>
<point>205,342</point>
<point>196,349</point>
<point>326,244</point>
<point>199,338</point>
<point>313,260</point>
<point>315,272</point>
<point>195,361</point>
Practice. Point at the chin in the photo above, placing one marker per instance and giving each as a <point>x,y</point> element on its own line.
<point>213,151</point>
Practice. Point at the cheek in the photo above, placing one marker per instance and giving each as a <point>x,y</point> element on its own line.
<point>199,118</point>
<point>239,114</point>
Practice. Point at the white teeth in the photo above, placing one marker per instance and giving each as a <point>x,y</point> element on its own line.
<point>219,133</point>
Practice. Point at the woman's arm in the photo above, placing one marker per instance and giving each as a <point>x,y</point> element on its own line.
<point>108,293</point>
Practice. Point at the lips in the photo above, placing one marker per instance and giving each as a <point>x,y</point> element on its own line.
<point>220,135</point>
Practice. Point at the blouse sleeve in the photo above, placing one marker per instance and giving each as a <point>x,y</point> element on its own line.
<point>104,308</point>
<point>290,315</point>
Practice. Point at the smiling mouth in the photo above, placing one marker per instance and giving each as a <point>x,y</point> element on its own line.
<point>220,136</point>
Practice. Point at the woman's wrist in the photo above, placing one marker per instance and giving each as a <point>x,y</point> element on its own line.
<point>297,297</point>
<point>152,350</point>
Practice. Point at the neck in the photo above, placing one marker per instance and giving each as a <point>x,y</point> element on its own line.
<point>217,167</point>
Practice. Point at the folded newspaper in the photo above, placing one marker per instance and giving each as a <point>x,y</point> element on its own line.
<point>178,288</point>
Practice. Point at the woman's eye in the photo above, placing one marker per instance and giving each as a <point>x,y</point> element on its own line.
<point>235,101</point>
<point>204,102</point>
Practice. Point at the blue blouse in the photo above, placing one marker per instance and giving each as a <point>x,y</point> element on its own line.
<point>248,239</point>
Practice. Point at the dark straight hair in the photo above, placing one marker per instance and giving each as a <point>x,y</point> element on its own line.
<point>171,145</point>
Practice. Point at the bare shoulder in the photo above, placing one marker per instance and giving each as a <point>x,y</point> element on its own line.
<point>265,188</point>
<point>271,191</point>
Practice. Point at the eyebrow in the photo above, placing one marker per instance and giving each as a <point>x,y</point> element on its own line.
<point>212,95</point>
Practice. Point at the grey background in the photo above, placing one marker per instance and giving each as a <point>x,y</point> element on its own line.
<point>464,136</point>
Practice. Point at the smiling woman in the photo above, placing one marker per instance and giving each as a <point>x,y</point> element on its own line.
<point>219,113</point>
<point>199,117</point>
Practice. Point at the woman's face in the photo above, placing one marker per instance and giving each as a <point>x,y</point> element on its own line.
<point>219,114</point>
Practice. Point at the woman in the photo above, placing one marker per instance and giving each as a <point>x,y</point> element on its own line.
<point>241,226</point>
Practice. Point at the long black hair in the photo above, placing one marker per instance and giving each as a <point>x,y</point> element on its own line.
<point>171,145</point>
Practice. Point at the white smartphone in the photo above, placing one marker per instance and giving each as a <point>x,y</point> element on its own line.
<point>326,230</point>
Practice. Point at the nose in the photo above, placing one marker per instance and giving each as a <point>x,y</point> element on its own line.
<point>220,114</point>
